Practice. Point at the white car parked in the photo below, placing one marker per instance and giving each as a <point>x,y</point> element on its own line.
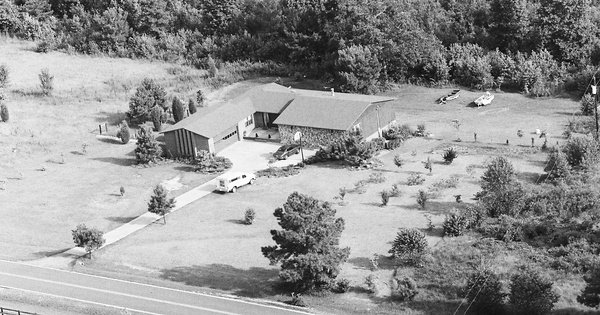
<point>232,181</point>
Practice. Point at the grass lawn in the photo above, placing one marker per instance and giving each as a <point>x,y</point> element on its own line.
<point>52,185</point>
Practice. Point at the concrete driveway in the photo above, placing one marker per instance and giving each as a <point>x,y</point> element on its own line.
<point>251,156</point>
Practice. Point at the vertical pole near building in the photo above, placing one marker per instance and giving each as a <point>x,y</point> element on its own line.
<point>301,149</point>
<point>378,123</point>
<point>595,93</point>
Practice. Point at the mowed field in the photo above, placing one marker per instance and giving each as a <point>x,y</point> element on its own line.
<point>204,245</point>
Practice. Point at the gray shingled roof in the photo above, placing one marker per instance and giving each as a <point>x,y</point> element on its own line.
<point>317,109</point>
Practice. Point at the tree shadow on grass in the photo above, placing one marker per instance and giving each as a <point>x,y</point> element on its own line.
<point>237,221</point>
<point>254,283</point>
<point>121,219</point>
<point>117,161</point>
<point>49,253</point>
<point>111,140</point>
<point>184,168</point>
<point>383,262</point>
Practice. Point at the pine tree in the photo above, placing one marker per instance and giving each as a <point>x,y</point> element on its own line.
<point>159,203</point>
<point>4,116</point>
<point>308,244</point>
<point>148,95</point>
<point>147,150</point>
<point>192,106</point>
<point>157,114</point>
<point>124,132</point>
<point>178,110</point>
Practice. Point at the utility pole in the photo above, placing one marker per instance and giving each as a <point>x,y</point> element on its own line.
<point>595,93</point>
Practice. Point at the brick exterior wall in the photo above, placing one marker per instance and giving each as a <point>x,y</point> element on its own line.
<point>311,137</point>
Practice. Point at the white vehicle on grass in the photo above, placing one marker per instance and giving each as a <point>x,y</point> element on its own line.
<point>232,181</point>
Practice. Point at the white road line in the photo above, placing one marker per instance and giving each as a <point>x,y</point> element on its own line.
<point>166,288</point>
<point>80,300</point>
<point>121,294</point>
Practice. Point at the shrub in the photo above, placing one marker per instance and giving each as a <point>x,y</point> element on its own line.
<point>385,197</point>
<point>378,144</point>
<point>4,115</point>
<point>147,96</point>
<point>122,191</point>
<point>297,300</point>
<point>371,283</point>
<point>484,292</point>
<point>428,165</point>
<point>557,166</point>
<point>157,117</point>
<point>147,149</point>
<point>212,68</point>
<point>449,155</point>
<point>342,286</point>
<point>200,98</point>
<point>415,179</point>
<point>409,245</point>
<point>249,216</point>
<point>455,224</point>
<point>206,163</point>
<point>377,178</point>
<point>46,81</point>
<point>420,130</point>
<point>395,192</point>
<point>531,294</point>
<point>276,172</point>
<point>586,105</point>
<point>474,215</point>
<point>398,161</point>
<point>4,76</point>
<point>422,198</point>
<point>395,132</point>
<point>124,133</point>
<point>579,149</point>
<point>404,289</point>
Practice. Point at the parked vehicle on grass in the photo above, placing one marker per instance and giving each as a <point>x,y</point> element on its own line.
<point>230,182</point>
<point>286,151</point>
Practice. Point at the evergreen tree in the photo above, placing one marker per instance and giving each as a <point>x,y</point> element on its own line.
<point>192,106</point>
<point>178,110</point>
<point>159,203</point>
<point>4,116</point>
<point>530,294</point>
<point>147,149</point>
<point>558,166</point>
<point>157,114</point>
<point>308,244</point>
<point>148,95</point>
<point>200,98</point>
<point>484,293</point>
<point>124,132</point>
<point>590,296</point>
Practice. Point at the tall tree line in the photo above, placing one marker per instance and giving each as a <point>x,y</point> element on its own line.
<point>360,45</point>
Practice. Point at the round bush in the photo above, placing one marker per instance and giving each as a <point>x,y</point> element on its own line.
<point>409,242</point>
<point>484,292</point>
<point>455,224</point>
<point>404,289</point>
<point>530,294</point>
<point>4,116</point>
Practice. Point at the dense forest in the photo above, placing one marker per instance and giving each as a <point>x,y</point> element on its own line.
<point>540,47</point>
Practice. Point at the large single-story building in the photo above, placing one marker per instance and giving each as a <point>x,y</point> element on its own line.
<point>320,116</point>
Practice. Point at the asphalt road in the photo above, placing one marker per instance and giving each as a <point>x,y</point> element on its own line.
<point>137,298</point>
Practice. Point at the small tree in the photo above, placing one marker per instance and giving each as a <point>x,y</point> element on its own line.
<point>147,149</point>
<point>410,245</point>
<point>455,224</point>
<point>249,216</point>
<point>192,106</point>
<point>499,175</point>
<point>4,76</point>
<point>212,67</point>
<point>422,198</point>
<point>587,105</point>
<point>122,191</point>
<point>157,117</point>
<point>557,167</point>
<point>124,132</point>
<point>200,98</point>
<point>484,293</point>
<point>590,296</point>
<point>46,81</point>
<point>385,197</point>
<point>530,294</point>
<point>398,161</point>
<point>159,203</point>
<point>89,239</point>
<point>178,110</point>
<point>428,165</point>
<point>4,115</point>
<point>148,95</point>
<point>308,244</point>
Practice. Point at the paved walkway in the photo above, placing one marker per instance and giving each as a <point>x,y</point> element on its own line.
<point>247,156</point>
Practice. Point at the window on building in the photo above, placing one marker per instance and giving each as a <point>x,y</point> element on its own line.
<point>230,135</point>
<point>356,128</point>
<point>249,121</point>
